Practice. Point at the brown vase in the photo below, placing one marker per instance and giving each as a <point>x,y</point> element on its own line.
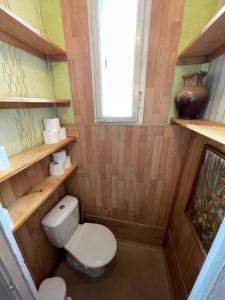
<point>192,98</point>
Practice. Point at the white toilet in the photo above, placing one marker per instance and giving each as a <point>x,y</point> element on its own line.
<point>90,247</point>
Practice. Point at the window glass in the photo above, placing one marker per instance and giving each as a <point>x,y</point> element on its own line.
<point>117,43</point>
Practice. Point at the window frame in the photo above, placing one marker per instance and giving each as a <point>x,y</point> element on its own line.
<point>141,61</point>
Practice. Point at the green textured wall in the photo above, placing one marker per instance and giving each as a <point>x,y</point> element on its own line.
<point>26,9</point>
<point>52,20</point>
<point>61,89</point>
<point>22,74</point>
<point>53,28</point>
<point>197,13</point>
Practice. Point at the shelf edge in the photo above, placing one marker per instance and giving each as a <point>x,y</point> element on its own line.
<point>19,24</point>
<point>58,181</point>
<point>210,129</point>
<point>16,102</point>
<point>6,174</point>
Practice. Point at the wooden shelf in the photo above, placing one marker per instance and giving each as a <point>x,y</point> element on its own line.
<point>25,206</point>
<point>208,44</point>
<point>17,32</point>
<point>21,161</point>
<point>210,129</point>
<point>14,102</point>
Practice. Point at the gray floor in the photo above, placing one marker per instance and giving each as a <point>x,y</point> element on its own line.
<point>137,273</point>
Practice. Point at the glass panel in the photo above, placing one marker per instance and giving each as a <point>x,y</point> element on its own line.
<point>118,24</point>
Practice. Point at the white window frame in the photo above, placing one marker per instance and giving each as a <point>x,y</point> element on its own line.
<point>141,60</point>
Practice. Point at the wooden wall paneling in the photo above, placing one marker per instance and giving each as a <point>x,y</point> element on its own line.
<point>75,17</point>
<point>174,154</point>
<point>126,173</point>
<point>21,183</point>
<point>184,240</point>
<point>7,194</point>
<point>181,238</point>
<point>190,169</point>
<point>131,231</point>
<point>176,279</point>
<point>165,29</point>
<point>72,130</point>
<point>129,173</point>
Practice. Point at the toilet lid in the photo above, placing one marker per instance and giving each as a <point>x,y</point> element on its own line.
<point>94,245</point>
<point>52,288</point>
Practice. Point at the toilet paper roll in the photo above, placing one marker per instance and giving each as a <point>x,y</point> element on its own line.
<point>4,161</point>
<point>59,156</point>
<point>51,137</point>
<point>62,133</point>
<point>56,169</point>
<point>68,163</point>
<point>51,124</point>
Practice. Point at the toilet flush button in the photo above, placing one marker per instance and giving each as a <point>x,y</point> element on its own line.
<point>62,206</point>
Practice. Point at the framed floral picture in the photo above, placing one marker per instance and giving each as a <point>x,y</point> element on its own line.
<point>206,207</point>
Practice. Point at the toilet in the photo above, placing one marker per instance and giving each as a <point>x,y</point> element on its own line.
<point>90,247</point>
<point>53,288</point>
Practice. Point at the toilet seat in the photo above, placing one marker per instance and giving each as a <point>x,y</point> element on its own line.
<point>93,245</point>
<point>52,288</point>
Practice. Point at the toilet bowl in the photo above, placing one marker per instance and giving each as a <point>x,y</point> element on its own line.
<point>90,247</point>
<point>53,288</point>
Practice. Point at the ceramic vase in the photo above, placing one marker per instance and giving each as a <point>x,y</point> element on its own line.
<point>191,100</point>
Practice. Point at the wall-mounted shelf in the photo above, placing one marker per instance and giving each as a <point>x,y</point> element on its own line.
<point>17,32</point>
<point>208,44</point>
<point>26,205</point>
<point>210,129</point>
<point>21,161</point>
<point>31,102</point>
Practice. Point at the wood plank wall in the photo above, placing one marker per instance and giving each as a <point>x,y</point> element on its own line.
<point>39,255</point>
<point>184,253</point>
<point>127,174</point>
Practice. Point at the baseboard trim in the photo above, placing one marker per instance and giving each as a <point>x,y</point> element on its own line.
<point>176,279</point>
<point>131,231</point>
<point>168,275</point>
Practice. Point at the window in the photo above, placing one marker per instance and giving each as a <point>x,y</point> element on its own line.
<point>119,31</point>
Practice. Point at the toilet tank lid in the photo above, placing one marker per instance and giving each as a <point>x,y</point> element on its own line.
<point>60,212</point>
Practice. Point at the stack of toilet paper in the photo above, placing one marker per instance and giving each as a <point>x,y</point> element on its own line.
<point>53,133</point>
<point>60,163</point>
